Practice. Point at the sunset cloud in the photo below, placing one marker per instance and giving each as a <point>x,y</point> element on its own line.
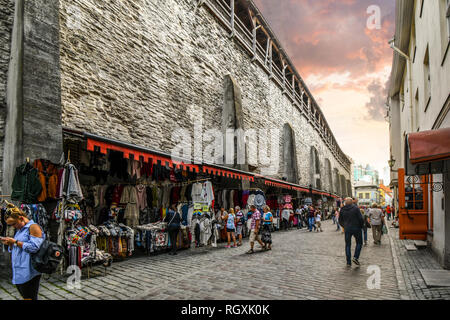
<point>345,64</point>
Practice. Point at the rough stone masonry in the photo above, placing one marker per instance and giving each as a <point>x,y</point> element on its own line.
<point>136,70</point>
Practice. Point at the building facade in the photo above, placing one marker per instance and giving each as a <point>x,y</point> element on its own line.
<point>419,101</point>
<point>367,193</point>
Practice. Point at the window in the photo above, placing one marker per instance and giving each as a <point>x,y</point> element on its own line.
<point>444,22</point>
<point>360,195</point>
<point>417,108</point>
<point>447,16</point>
<point>367,195</point>
<point>413,193</point>
<point>427,79</point>
<point>402,98</point>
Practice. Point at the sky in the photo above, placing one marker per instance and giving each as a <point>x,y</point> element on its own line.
<point>345,64</point>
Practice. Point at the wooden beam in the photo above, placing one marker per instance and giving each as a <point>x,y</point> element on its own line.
<point>252,18</point>
<point>271,61</point>
<point>255,28</point>
<point>267,51</point>
<point>232,18</point>
<point>293,87</point>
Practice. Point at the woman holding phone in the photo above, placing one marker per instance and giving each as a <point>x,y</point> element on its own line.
<point>27,240</point>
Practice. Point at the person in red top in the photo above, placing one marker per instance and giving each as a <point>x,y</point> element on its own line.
<point>388,211</point>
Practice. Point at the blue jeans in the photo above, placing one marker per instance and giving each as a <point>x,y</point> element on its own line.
<point>365,234</point>
<point>355,232</point>
<point>311,223</point>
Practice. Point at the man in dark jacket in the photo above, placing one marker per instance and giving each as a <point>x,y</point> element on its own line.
<point>351,220</point>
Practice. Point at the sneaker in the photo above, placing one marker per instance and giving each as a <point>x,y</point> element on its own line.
<point>250,251</point>
<point>349,264</point>
<point>355,261</point>
<point>227,246</point>
<point>235,246</point>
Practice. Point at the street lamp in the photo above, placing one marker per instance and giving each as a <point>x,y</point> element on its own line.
<point>391,163</point>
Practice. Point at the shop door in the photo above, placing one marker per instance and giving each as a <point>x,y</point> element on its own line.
<point>413,206</point>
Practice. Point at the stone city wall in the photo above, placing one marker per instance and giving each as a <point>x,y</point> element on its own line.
<point>135,71</point>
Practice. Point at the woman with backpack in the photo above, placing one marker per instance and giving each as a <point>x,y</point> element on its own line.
<point>267,220</point>
<point>230,218</point>
<point>173,219</point>
<point>27,240</point>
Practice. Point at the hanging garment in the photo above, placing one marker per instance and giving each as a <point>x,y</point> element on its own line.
<point>188,192</point>
<point>134,169</point>
<point>245,195</point>
<point>146,168</point>
<point>141,197</point>
<point>149,193</point>
<point>175,194</point>
<point>48,176</point>
<point>259,201</point>
<point>71,188</point>
<point>196,193</point>
<point>207,193</point>
<point>251,200</point>
<point>129,196</point>
<point>37,213</point>
<point>26,185</point>
<point>183,193</point>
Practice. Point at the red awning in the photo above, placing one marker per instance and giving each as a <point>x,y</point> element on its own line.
<point>227,173</point>
<point>104,146</point>
<point>429,145</point>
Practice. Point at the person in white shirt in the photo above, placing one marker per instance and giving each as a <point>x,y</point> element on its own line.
<point>318,222</point>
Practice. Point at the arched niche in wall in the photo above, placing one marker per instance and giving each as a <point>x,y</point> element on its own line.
<point>315,169</point>
<point>337,182</point>
<point>343,186</point>
<point>349,187</point>
<point>289,163</point>
<point>233,119</point>
<point>328,174</point>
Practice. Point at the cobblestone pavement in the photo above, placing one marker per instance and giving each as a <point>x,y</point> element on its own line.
<point>301,265</point>
<point>409,263</point>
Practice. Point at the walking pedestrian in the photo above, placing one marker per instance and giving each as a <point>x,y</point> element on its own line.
<point>173,219</point>
<point>254,228</point>
<point>318,222</point>
<point>336,212</point>
<point>298,213</point>
<point>333,215</point>
<point>230,218</point>
<point>366,223</point>
<point>267,222</point>
<point>311,223</point>
<point>376,219</point>
<point>350,218</point>
<point>388,212</point>
<point>239,224</point>
<point>27,240</point>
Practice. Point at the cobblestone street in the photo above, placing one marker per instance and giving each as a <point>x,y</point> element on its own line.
<point>302,265</point>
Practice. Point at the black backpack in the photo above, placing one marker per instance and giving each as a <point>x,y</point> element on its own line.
<point>47,259</point>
